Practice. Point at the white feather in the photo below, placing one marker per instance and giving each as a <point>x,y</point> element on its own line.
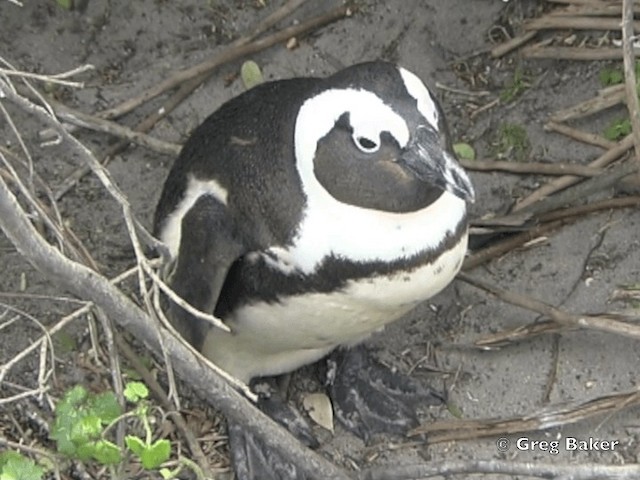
<point>171,231</point>
<point>418,90</point>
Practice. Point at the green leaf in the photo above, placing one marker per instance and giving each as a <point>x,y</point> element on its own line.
<point>166,473</point>
<point>251,74</point>
<point>611,76</point>
<point>135,444</point>
<point>617,130</point>
<point>156,454</point>
<point>464,151</point>
<point>136,391</point>
<point>75,396</point>
<point>454,410</point>
<point>14,466</point>
<point>66,4</point>
<point>106,407</point>
<point>107,453</point>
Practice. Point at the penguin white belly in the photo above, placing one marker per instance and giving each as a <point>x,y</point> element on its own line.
<point>274,338</point>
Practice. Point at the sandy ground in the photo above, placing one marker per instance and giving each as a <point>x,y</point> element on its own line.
<point>135,44</point>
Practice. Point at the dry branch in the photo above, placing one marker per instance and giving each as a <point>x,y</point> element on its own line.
<point>549,417</point>
<point>508,469</point>
<point>553,22</point>
<point>566,181</point>
<point>606,98</point>
<point>579,135</point>
<point>605,323</point>
<point>538,168</point>
<point>572,53</point>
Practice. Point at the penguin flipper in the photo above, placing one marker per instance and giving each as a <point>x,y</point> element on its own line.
<point>208,248</point>
<point>370,399</point>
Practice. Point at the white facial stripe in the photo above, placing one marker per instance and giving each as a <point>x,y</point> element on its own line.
<point>420,92</point>
<point>369,116</point>
<point>172,228</point>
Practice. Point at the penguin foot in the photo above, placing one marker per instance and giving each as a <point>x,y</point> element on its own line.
<point>251,458</point>
<point>369,399</point>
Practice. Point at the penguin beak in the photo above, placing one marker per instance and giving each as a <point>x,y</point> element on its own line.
<point>428,159</point>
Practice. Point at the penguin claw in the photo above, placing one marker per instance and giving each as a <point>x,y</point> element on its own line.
<point>252,460</point>
<point>370,399</point>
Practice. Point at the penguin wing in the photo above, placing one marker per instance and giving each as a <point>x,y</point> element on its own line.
<point>208,247</point>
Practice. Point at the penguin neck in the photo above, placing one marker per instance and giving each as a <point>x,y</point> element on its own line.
<point>330,228</point>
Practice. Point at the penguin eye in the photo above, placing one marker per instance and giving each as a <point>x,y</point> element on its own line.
<point>366,145</point>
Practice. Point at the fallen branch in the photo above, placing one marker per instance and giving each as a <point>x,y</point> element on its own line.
<point>536,168</point>
<point>630,82</point>
<point>550,417</point>
<point>572,53</point>
<point>606,323</point>
<point>445,468</point>
<point>566,181</point>
<point>606,98</point>
<point>579,135</point>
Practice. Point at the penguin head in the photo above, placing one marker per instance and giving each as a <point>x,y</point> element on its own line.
<point>374,137</point>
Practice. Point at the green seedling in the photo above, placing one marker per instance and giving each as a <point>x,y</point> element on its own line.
<point>512,140</point>
<point>464,151</point>
<point>251,74</point>
<point>618,129</point>
<point>152,454</point>
<point>81,418</point>
<point>14,466</point>
<point>518,84</point>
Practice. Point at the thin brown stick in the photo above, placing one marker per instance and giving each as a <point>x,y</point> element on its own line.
<point>511,44</point>
<point>606,98</point>
<point>605,323</point>
<point>572,53</point>
<point>592,10</point>
<point>538,168</point>
<point>579,135</point>
<point>97,124</point>
<point>505,468</point>
<point>551,22</point>
<point>569,196</point>
<point>551,416</point>
<point>566,181</point>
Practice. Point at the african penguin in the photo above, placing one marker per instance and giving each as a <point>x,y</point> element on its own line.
<point>308,213</point>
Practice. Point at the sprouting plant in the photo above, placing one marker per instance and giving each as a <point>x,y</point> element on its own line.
<point>512,140</point>
<point>618,129</point>
<point>14,466</point>
<point>518,84</point>
<point>81,418</point>
<point>83,421</point>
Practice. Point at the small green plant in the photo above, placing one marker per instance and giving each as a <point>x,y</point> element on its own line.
<point>618,129</point>
<point>81,418</point>
<point>615,75</point>
<point>84,419</point>
<point>518,84</point>
<point>14,466</point>
<point>152,454</point>
<point>512,140</point>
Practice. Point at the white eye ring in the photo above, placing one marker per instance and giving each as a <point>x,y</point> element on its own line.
<point>366,144</point>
